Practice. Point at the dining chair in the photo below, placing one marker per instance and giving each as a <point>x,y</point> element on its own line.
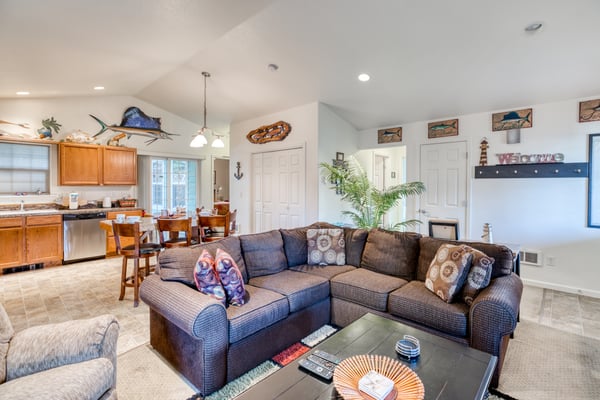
<point>213,227</point>
<point>174,228</point>
<point>139,249</point>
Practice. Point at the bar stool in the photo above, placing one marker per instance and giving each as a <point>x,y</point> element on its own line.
<point>135,251</point>
<point>174,227</point>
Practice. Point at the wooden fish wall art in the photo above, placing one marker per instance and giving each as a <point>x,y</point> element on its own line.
<point>269,133</point>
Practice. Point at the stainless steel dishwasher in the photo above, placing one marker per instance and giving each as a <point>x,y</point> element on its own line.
<point>82,237</point>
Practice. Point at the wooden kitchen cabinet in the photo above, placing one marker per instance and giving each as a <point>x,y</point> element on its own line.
<point>13,244</point>
<point>31,240</point>
<point>111,249</point>
<point>88,164</point>
<point>44,239</point>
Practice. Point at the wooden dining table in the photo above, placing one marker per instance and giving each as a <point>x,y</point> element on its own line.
<point>149,225</point>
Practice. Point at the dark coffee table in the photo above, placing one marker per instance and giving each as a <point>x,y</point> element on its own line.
<point>449,370</point>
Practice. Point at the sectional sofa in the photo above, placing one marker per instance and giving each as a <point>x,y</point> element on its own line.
<point>287,298</point>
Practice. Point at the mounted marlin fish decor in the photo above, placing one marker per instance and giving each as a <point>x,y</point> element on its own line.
<point>445,128</point>
<point>512,120</point>
<point>136,122</point>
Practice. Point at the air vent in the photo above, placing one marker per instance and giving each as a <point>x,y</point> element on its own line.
<point>531,257</point>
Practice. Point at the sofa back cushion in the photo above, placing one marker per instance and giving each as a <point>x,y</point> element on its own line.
<point>355,245</point>
<point>178,264</point>
<point>294,245</point>
<point>263,253</point>
<point>502,255</point>
<point>391,253</point>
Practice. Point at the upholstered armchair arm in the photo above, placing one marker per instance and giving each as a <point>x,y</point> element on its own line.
<point>195,313</point>
<point>40,348</point>
<point>494,313</point>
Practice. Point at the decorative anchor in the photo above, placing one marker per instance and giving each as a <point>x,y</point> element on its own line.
<point>238,175</point>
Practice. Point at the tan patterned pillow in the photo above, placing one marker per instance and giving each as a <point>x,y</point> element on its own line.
<point>326,247</point>
<point>479,275</point>
<point>448,271</point>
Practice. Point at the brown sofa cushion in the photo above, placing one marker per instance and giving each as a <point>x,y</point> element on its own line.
<point>178,264</point>
<point>391,253</point>
<point>503,256</point>
<point>263,253</point>
<point>365,287</point>
<point>415,302</point>
<point>355,245</point>
<point>294,245</point>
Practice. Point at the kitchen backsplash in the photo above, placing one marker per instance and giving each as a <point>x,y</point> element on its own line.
<point>86,194</point>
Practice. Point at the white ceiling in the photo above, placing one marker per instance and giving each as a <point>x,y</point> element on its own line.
<point>428,59</point>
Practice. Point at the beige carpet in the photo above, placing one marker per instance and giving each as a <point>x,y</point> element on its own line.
<point>542,363</point>
<point>143,374</point>
<point>546,363</point>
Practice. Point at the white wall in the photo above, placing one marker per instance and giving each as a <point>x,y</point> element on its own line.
<point>335,135</point>
<point>72,114</point>
<point>547,214</point>
<point>304,133</point>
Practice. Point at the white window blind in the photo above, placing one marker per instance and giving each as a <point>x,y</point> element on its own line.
<point>24,168</point>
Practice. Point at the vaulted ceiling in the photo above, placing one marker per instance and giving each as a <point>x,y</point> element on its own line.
<point>427,59</point>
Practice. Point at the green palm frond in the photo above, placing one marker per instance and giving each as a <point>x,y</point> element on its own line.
<point>369,203</point>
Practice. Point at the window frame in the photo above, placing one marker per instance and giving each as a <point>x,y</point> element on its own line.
<point>45,172</point>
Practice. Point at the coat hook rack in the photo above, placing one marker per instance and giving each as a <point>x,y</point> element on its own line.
<point>238,175</point>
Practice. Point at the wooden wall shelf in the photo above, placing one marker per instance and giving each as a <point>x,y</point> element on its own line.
<point>552,170</point>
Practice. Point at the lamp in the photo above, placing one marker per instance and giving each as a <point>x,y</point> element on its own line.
<point>200,139</point>
<point>218,142</point>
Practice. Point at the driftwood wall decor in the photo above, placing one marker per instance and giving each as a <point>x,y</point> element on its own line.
<point>269,133</point>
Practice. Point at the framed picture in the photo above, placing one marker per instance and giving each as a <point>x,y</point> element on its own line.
<point>445,128</point>
<point>443,229</point>
<point>589,110</point>
<point>339,156</point>
<point>389,135</point>
<point>594,182</point>
<point>512,120</point>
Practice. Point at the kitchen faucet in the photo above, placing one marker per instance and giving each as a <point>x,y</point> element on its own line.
<point>22,205</point>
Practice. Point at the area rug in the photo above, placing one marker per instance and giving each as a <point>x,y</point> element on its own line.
<point>241,384</point>
<point>546,363</point>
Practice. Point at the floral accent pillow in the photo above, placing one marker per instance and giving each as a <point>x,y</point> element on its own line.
<point>479,275</point>
<point>448,271</point>
<point>206,278</point>
<point>326,247</point>
<point>231,278</point>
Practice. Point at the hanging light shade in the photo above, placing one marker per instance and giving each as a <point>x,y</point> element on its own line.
<point>218,142</point>
<point>199,139</point>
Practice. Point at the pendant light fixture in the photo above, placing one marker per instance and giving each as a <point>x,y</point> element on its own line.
<point>200,138</point>
<point>218,142</point>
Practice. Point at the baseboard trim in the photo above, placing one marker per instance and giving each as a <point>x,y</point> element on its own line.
<point>562,288</point>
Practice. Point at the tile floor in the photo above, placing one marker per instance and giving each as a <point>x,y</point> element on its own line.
<point>83,290</point>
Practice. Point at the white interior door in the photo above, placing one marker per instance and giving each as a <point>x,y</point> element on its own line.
<point>444,173</point>
<point>278,195</point>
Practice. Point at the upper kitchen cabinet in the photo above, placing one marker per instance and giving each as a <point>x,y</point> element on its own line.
<point>86,164</point>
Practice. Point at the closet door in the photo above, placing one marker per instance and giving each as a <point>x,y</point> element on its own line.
<point>278,189</point>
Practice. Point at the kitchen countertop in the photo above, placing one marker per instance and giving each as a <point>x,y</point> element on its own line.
<point>53,211</point>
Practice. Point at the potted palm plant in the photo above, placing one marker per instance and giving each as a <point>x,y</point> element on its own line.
<point>369,203</point>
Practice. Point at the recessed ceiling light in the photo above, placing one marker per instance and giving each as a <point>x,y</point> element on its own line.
<point>536,26</point>
<point>98,87</point>
<point>22,93</point>
<point>364,77</point>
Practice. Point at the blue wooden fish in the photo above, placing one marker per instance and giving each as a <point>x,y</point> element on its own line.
<point>514,120</point>
<point>136,122</point>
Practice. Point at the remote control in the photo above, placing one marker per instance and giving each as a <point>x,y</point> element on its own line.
<point>321,362</point>
<point>316,369</point>
<point>329,357</point>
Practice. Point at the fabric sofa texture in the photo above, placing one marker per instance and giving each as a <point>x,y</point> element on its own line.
<point>384,274</point>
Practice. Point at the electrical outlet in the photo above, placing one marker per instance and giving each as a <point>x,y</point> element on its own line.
<point>550,261</point>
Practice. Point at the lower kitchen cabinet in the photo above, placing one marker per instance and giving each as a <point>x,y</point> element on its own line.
<point>13,243</point>
<point>44,239</point>
<point>31,240</point>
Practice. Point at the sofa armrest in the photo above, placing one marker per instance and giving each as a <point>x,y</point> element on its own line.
<point>494,313</point>
<point>195,313</point>
<point>43,347</point>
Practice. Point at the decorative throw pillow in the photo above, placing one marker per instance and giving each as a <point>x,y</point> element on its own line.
<point>231,278</point>
<point>448,271</point>
<point>479,275</point>
<point>326,247</point>
<point>206,278</point>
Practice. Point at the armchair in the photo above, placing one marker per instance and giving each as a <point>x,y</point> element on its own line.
<point>69,360</point>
